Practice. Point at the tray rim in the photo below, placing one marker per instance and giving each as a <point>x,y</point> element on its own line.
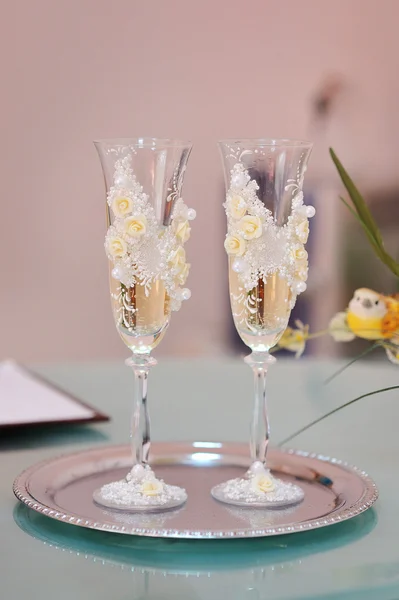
<point>369,496</point>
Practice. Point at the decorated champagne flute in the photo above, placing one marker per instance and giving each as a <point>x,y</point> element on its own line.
<point>148,226</point>
<point>267,228</point>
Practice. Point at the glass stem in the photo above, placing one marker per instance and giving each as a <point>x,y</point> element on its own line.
<point>140,438</point>
<point>260,429</point>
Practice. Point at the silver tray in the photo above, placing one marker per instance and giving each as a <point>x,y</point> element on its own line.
<point>62,489</point>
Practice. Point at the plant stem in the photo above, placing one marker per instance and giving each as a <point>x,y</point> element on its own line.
<point>331,412</point>
<point>342,369</point>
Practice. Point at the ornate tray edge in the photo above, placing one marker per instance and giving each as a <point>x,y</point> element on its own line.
<point>368,499</point>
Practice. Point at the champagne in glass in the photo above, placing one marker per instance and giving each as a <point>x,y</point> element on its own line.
<point>261,314</point>
<point>141,320</point>
<point>267,228</point>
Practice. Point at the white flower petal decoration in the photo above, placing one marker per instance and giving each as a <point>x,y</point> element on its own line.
<point>262,484</point>
<point>183,231</point>
<point>339,330</point>
<point>183,274</point>
<point>235,245</point>
<point>237,206</point>
<point>135,226</point>
<point>302,231</point>
<point>299,253</point>
<point>152,487</point>
<point>122,206</point>
<point>178,259</point>
<point>250,227</point>
<point>116,246</point>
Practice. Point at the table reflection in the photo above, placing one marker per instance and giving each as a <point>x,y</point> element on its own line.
<point>163,568</point>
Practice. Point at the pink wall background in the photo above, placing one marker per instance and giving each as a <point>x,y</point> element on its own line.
<point>73,71</point>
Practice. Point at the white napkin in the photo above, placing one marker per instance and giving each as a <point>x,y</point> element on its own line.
<point>25,399</point>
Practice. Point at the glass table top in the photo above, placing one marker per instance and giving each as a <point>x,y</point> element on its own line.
<point>211,400</point>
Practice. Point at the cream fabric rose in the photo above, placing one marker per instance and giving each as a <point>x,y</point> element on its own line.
<point>299,253</point>
<point>262,484</point>
<point>135,226</point>
<point>234,244</point>
<point>339,330</point>
<point>178,259</point>
<point>182,276</point>
<point>301,271</point>
<point>237,207</point>
<point>302,231</point>
<point>250,227</point>
<point>117,246</point>
<point>152,487</point>
<point>122,206</point>
<point>183,231</point>
<point>302,275</point>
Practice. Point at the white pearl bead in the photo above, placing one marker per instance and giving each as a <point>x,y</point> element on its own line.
<point>185,294</point>
<point>184,211</point>
<point>300,287</point>
<point>123,181</point>
<point>257,467</point>
<point>117,273</point>
<point>138,472</point>
<point>191,214</point>
<point>239,265</point>
<point>310,211</point>
<point>238,180</point>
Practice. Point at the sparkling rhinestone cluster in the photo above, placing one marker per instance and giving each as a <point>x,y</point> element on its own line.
<point>142,250</point>
<point>259,246</point>
<point>141,488</point>
<point>257,488</point>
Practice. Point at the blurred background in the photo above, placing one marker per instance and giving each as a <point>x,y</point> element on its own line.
<point>76,71</point>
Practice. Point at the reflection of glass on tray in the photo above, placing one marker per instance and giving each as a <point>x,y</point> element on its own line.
<point>26,399</point>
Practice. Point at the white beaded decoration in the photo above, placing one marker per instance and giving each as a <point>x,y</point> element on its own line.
<point>186,294</point>
<point>137,473</point>
<point>117,273</point>
<point>260,247</point>
<point>239,265</point>
<point>142,250</point>
<point>257,467</point>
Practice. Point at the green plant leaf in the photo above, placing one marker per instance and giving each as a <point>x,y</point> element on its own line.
<point>368,233</point>
<point>365,217</point>
<point>335,410</point>
<point>357,198</point>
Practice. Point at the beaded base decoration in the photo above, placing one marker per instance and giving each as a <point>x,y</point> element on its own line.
<point>259,489</point>
<point>140,491</point>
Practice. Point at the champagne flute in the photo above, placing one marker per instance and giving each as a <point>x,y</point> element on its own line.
<point>148,225</point>
<point>267,228</point>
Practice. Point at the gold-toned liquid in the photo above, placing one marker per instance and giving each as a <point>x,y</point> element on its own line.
<point>260,315</point>
<point>141,320</point>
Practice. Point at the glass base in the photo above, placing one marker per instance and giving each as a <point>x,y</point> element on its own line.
<point>140,492</point>
<point>259,489</point>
